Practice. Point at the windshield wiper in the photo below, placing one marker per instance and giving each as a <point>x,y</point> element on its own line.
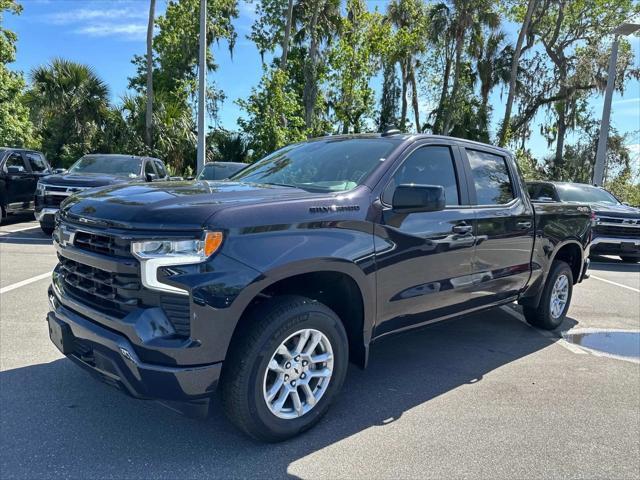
<point>279,184</point>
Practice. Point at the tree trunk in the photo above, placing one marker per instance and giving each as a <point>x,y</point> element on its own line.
<point>446,127</point>
<point>414,99</point>
<point>310,91</point>
<point>148,131</point>
<point>287,34</point>
<point>403,108</point>
<point>514,72</point>
<point>437,122</point>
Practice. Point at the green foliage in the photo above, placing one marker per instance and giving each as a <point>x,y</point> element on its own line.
<point>16,129</point>
<point>228,146</point>
<point>69,105</point>
<point>275,115</point>
<point>528,165</point>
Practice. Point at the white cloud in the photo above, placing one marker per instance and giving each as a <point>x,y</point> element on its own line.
<point>85,14</point>
<point>128,30</point>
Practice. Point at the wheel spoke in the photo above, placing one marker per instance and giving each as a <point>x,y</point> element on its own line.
<point>321,358</point>
<point>277,406</point>
<point>304,336</point>
<point>313,343</point>
<point>275,388</point>
<point>275,366</point>
<point>311,399</point>
<point>297,404</point>
<point>322,373</point>
<point>284,351</point>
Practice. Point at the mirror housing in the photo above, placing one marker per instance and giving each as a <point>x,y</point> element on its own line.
<point>150,177</point>
<point>13,170</point>
<point>413,198</point>
<point>59,171</point>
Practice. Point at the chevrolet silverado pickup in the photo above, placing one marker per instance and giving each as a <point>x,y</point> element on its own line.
<point>267,284</point>
<point>90,171</point>
<point>617,225</point>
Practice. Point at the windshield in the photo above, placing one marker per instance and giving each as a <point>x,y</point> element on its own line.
<point>585,194</point>
<point>332,165</point>
<point>119,166</point>
<point>213,171</point>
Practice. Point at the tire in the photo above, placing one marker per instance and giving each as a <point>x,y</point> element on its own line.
<point>47,230</point>
<point>630,259</point>
<point>544,315</point>
<point>247,373</point>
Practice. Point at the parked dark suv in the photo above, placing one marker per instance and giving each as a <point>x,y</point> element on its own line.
<point>20,171</point>
<point>269,283</point>
<point>95,170</point>
<point>617,226</point>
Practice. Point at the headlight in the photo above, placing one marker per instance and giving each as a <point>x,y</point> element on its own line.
<point>40,189</point>
<point>201,249</point>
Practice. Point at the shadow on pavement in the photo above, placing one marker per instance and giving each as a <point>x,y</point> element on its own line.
<point>614,267</point>
<point>56,420</point>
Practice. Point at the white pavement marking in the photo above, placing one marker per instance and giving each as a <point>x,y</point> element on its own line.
<point>560,341</point>
<point>5,232</point>
<point>615,283</point>
<point>25,282</point>
<point>30,239</point>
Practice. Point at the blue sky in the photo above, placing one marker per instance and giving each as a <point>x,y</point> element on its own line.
<point>107,33</point>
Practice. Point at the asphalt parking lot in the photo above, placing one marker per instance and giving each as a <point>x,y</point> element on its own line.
<point>484,396</point>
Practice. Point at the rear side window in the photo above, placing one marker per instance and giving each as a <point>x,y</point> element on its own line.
<point>541,191</point>
<point>491,178</point>
<point>148,168</point>
<point>160,168</point>
<point>430,165</point>
<point>37,163</point>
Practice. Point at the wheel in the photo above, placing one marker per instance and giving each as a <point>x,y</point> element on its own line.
<point>282,374</point>
<point>47,229</point>
<point>630,259</point>
<point>555,299</point>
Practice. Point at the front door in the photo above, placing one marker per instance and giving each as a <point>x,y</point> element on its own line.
<point>423,259</point>
<point>19,181</point>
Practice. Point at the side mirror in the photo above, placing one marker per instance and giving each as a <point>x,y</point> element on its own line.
<point>59,171</point>
<point>14,170</point>
<point>626,204</point>
<point>150,177</point>
<point>418,198</point>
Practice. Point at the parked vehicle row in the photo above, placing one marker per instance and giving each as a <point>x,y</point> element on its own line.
<point>266,285</point>
<point>616,225</point>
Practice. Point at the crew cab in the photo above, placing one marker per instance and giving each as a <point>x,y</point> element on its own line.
<point>20,170</point>
<point>617,225</point>
<point>90,171</point>
<point>269,283</point>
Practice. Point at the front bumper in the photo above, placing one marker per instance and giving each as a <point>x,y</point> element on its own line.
<point>46,215</point>
<point>113,359</point>
<point>615,246</point>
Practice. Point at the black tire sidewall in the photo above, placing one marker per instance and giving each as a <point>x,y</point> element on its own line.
<point>549,321</point>
<point>330,326</point>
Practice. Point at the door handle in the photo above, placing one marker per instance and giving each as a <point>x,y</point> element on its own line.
<point>462,228</point>
<point>523,225</point>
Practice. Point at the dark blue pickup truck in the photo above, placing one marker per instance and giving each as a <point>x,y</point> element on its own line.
<point>266,285</point>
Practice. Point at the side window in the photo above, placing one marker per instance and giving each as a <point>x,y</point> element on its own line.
<point>15,160</point>
<point>539,191</point>
<point>37,163</point>
<point>491,177</point>
<point>430,165</point>
<point>148,168</point>
<point>160,168</point>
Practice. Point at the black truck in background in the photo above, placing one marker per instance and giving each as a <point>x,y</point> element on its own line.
<point>20,170</point>
<point>90,171</point>
<point>617,225</point>
<point>266,285</point>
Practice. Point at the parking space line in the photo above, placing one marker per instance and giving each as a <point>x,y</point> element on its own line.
<point>6,232</point>
<point>25,282</point>
<point>615,283</point>
<point>28,239</point>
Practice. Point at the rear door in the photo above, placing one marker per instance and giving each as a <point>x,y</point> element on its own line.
<point>423,259</point>
<point>504,225</point>
<point>38,168</point>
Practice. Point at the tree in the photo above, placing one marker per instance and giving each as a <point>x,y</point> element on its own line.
<point>266,106</point>
<point>149,115</point>
<point>16,129</point>
<point>228,146</point>
<point>353,60</point>
<point>69,104</point>
<point>390,97</point>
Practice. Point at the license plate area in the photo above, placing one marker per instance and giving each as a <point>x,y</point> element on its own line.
<point>61,335</point>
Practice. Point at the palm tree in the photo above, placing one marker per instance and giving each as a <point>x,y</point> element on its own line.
<point>69,104</point>
<point>149,115</point>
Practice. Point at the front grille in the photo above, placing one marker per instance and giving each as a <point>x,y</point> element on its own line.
<point>54,200</point>
<point>103,244</point>
<point>618,231</point>
<point>117,295</point>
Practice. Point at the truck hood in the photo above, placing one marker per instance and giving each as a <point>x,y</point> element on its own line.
<point>619,211</point>
<point>83,180</point>
<point>168,205</point>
